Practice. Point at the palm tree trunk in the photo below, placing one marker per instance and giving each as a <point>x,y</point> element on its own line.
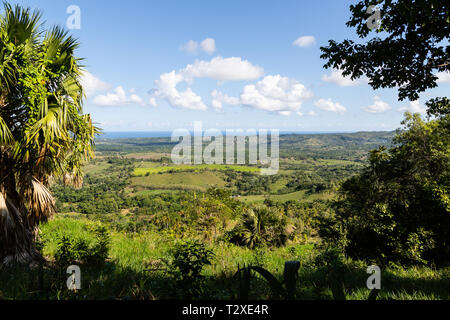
<point>16,235</point>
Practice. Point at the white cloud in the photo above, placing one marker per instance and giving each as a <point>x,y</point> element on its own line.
<point>219,99</point>
<point>190,46</point>
<point>208,45</point>
<point>337,78</point>
<point>136,99</point>
<point>443,77</point>
<point>117,98</point>
<point>378,106</point>
<point>92,84</point>
<point>275,94</point>
<point>152,101</point>
<point>223,69</point>
<point>414,107</point>
<point>305,41</point>
<point>329,105</point>
<point>166,88</point>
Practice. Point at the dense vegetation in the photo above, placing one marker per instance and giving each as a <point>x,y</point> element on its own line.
<point>397,208</point>
<point>164,242</point>
<point>141,227</point>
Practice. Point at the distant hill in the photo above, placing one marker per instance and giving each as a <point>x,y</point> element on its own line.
<point>342,146</point>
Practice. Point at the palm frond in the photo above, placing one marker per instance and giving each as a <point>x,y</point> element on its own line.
<point>6,137</point>
<point>40,202</point>
<point>60,49</point>
<point>9,216</point>
<point>21,24</point>
<point>48,129</point>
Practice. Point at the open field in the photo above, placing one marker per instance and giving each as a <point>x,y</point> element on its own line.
<point>296,196</point>
<point>97,168</point>
<point>196,168</point>
<point>203,180</point>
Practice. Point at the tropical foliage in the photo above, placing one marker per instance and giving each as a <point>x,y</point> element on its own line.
<point>43,132</point>
<point>397,209</point>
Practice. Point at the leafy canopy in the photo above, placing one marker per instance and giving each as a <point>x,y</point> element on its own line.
<point>410,46</point>
<point>398,208</point>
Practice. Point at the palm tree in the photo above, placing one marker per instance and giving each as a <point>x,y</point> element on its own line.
<point>261,224</point>
<point>43,133</point>
<point>251,225</point>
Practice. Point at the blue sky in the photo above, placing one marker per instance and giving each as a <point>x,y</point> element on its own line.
<point>161,65</point>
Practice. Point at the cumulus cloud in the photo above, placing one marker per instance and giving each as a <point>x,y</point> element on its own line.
<point>136,99</point>
<point>443,77</point>
<point>92,84</point>
<point>329,105</point>
<point>166,88</point>
<point>414,107</point>
<point>223,69</point>
<point>117,98</point>
<point>378,106</point>
<point>304,41</point>
<point>275,94</point>
<point>191,46</point>
<point>336,77</point>
<point>208,45</point>
<point>219,99</point>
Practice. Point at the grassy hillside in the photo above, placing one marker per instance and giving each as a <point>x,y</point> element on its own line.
<point>136,208</point>
<point>137,268</point>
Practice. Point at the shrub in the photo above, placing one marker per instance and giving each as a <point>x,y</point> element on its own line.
<point>72,251</point>
<point>189,259</point>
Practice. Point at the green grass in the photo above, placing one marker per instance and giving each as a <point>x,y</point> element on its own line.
<point>146,164</point>
<point>301,195</point>
<point>97,168</point>
<point>180,180</point>
<point>335,162</point>
<point>196,168</point>
<point>150,192</point>
<point>279,184</point>
<point>132,256</point>
<point>146,155</point>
